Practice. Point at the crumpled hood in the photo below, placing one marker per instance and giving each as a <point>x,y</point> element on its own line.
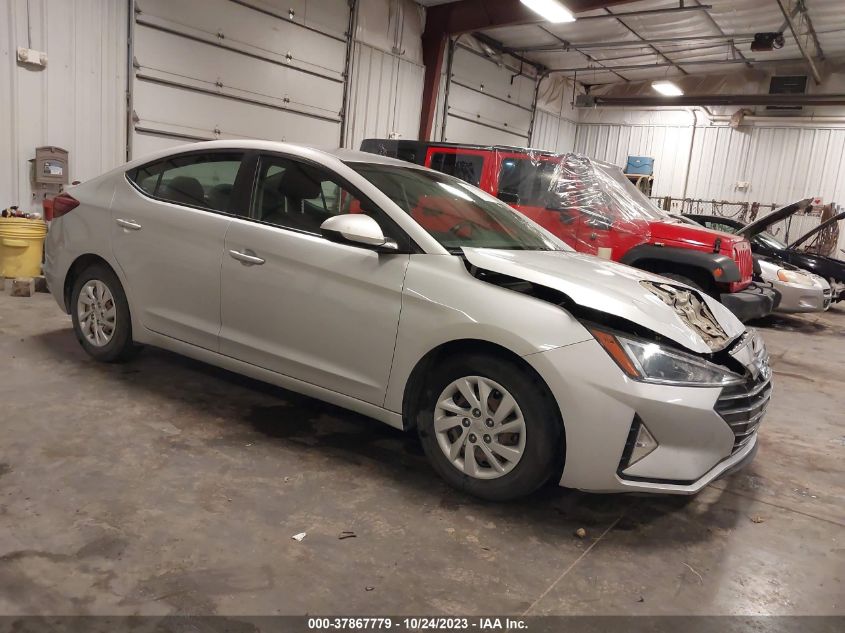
<point>605,286</point>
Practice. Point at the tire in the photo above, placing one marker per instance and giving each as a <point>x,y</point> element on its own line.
<point>534,418</point>
<point>113,334</point>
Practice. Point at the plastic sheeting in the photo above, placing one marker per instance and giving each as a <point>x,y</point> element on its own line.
<point>589,204</point>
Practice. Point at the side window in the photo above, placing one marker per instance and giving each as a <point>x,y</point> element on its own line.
<point>296,195</point>
<point>527,182</point>
<point>467,167</point>
<point>198,180</point>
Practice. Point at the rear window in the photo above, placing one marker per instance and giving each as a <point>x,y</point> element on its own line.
<point>467,167</point>
<point>197,180</point>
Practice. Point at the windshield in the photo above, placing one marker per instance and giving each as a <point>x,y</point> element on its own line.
<point>455,213</point>
<point>769,240</point>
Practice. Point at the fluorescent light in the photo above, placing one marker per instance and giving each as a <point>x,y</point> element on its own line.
<point>667,88</point>
<point>551,10</point>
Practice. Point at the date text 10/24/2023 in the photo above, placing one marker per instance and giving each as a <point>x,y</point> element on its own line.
<point>421,623</point>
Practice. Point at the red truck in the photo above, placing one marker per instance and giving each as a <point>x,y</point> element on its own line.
<point>595,209</point>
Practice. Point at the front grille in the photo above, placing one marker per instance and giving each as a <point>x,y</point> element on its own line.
<point>745,262</point>
<point>828,297</point>
<point>743,406</point>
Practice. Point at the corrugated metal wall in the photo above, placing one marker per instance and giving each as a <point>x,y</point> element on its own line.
<point>668,145</point>
<point>77,102</point>
<point>553,133</point>
<point>780,164</point>
<point>385,96</point>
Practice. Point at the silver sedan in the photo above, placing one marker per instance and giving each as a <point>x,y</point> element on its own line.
<point>800,290</point>
<point>414,298</point>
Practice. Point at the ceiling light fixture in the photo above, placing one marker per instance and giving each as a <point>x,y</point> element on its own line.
<point>667,88</point>
<point>551,10</point>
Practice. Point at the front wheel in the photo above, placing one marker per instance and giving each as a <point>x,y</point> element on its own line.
<point>490,427</point>
<point>100,314</point>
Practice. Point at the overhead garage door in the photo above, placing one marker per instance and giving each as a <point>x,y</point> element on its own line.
<point>268,69</point>
<point>488,102</point>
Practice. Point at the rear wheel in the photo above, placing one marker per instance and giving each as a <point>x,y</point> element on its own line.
<point>489,427</point>
<point>100,314</point>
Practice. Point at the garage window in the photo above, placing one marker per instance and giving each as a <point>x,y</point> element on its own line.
<point>206,181</point>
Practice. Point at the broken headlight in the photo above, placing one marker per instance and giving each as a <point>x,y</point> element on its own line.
<point>650,362</point>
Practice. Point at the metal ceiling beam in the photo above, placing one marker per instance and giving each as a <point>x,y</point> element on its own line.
<point>590,58</point>
<point>714,100</point>
<point>801,45</point>
<point>648,66</point>
<point>465,16</point>
<point>719,28</point>
<point>802,6</point>
<point>567,45</point>
<point>641,38</point>
<point>648,12</point>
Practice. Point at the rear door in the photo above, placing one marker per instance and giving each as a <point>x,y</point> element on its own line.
<point>169,223</point>
<point>300,305</point>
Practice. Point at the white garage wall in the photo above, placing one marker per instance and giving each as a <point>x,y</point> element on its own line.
<point>781,163</point>
<point>77,102</point>
<point>553,133</point>
<point>555,119</point>
<point>386,82</point>
<point>668,145</point>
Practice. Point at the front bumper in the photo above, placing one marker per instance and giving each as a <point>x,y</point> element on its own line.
<point>599,404</point>
<point>795,298</point>
<point>754,302</point>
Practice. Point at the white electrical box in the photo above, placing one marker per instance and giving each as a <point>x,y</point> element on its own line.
<point>31,56</point>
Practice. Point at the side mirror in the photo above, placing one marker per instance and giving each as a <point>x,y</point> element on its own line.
<point>508,196</point>
<point>357,228</point>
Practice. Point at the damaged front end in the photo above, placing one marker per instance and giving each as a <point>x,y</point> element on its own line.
<point>693,310</point>
<point>654,330</point>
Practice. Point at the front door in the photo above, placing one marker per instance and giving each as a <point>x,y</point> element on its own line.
<point>300,305</point>
<point>169,222</point>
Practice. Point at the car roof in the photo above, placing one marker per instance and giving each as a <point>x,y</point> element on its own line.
<point>355,156</point>
<point>297,149</point>
<point>474,146</point>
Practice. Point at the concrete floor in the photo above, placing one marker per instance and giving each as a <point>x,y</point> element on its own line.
<point>169,487</point>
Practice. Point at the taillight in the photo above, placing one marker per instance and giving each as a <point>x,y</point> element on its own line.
<point>64,203</point>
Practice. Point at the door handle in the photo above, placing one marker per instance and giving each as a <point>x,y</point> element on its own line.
<point>247,259</point>
<point>132,225</point>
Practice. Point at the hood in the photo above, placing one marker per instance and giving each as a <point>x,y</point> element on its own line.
<point>621,291</point>
<point>812,232</point>
<point>692,235</point>
<point>760,225</point>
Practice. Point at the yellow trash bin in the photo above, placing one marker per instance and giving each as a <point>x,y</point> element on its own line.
<point>21,246</point>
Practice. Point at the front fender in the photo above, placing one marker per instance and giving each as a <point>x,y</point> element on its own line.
<point>442,303</point>
<point>721,268</point>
